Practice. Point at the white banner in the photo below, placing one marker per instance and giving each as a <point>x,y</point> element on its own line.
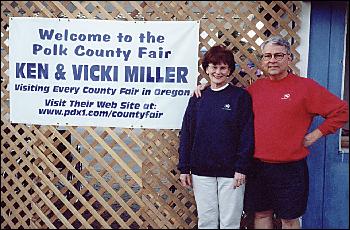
<point>81,72</point>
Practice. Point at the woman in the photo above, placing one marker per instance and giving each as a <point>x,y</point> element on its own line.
<point>216,144</point>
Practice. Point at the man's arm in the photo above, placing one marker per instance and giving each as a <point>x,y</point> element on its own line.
<point>312,137</point>
<point>322,102</point>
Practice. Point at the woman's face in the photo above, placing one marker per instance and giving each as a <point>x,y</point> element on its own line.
<point>218,74</point>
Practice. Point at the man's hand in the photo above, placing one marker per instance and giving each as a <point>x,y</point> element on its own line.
<point>238,180</point>
<point>312,137</point>
<point>199,88</point>
<point>186,180</point>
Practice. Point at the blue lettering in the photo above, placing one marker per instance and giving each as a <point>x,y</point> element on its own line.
<point>36,48</point>
<point>95,72</point>
<point>158,77</point>
<point>31,70</point>
<point>104,104</point>
<point>77,71</point>
<point>105,70</point>
<point>156,74</point>
<point>49,34</point>
<point>34,70</point>
<point>19,70</point>
<point>93,69</point>
<point>76,50</point>
<point>153,54</point>
<point>131,75</point>
<point>169,74</point>
<point>55,50</point>
<point>181,74</point>
<point>142,50</point>
<point>149,77</point>
<point>45,34</point>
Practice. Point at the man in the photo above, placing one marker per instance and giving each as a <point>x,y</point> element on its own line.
<point>284,106</point>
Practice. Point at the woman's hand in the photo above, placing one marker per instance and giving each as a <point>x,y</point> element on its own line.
<point>186,180</point>
<point>238,180</point>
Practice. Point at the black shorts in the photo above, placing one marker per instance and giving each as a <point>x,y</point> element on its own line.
<point>282,187</point>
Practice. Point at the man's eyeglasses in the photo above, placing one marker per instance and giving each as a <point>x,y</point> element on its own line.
<point>277,56</point>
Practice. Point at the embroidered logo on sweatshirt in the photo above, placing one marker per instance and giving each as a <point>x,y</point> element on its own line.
<point>286,96</point>
<point>227,107</point>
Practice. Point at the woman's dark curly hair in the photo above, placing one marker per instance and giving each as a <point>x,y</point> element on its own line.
<point>219,54</point>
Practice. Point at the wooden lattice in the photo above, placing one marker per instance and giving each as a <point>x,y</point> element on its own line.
<point>98,177</point>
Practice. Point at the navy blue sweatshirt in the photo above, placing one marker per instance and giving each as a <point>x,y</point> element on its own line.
<point>217,134</point>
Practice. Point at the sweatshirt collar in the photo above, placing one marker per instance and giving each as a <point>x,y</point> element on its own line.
<point>221,88</point>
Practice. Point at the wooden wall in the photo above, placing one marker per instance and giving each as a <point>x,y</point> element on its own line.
<point>98,177</point>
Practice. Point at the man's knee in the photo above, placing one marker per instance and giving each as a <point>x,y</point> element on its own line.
<point>264,214</point>
<point>291,224</point>
<point>263,220</point>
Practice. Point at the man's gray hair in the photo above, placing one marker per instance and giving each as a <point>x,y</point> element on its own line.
<point>278,40</point>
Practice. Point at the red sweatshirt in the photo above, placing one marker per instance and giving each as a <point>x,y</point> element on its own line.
<point>283,112</point>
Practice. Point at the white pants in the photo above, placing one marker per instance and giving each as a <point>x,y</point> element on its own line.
<point>217,202</point>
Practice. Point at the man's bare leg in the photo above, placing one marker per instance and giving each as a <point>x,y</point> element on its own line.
<point>263,220</point>
<point>290,224</point>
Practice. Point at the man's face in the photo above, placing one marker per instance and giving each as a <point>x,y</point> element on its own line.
<point>275,59</point>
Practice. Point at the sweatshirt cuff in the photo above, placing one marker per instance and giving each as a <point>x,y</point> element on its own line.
<point>323,130</point>
<point>184,170</point>
<point>242,171</point>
